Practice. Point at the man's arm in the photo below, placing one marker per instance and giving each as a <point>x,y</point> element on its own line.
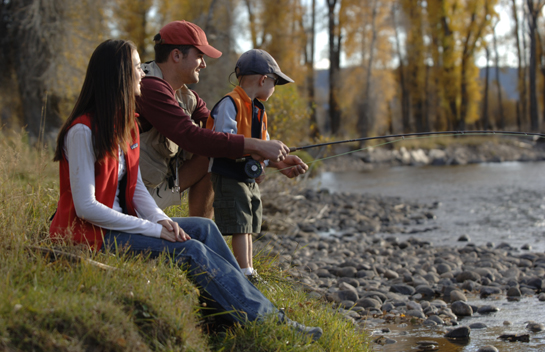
<point>159,108</point>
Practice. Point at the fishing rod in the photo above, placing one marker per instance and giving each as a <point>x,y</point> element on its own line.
<point>403,135</point>
<point>253,169</point>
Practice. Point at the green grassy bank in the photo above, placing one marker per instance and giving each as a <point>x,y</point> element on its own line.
<point>83,301</point>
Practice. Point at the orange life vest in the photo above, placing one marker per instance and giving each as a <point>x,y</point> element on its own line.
<point>247,120</point>
<point>65,224</point>
<point>251,121</point>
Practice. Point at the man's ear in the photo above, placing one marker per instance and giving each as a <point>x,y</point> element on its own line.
<point>176,55</point>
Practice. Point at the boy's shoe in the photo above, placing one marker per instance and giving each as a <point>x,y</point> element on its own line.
<point>313,332</point>
<point>255,278</point>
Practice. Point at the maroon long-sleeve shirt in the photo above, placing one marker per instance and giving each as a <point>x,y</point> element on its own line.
<point>159,108</point>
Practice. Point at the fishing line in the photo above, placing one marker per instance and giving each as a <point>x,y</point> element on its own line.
<point>419,135</point>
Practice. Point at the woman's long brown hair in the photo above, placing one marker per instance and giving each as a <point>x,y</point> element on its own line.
<point>108,96</point>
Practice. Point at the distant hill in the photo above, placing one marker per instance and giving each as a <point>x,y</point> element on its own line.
<point>508,80</point>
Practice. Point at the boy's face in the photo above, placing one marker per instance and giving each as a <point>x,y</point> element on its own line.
<point>266,86</point>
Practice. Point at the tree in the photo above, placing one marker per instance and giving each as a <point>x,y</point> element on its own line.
<point>365,115</point>
<point>534,10</point>
<point>501,122</point>
<point>521,63</point>
<point>481,14</point>
<point>335,41</point>
<point>416,65</point>
<point>485,120</point>
<point>404,86</point>
<point>368,87</point>
<point>130,19</point>
<point>458,27</point>
<point>310,46</point>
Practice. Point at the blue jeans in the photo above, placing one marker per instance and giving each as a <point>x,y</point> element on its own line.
<point>210,264</point>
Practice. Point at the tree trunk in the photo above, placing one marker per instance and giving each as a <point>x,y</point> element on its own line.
<point>533,13</point>
<point>520,70</point>
<point>405,93</point>
<point>309,58</point>
<point>253,26</point>
<point>524,120</point>
<point>334,66</point>
<point>485,118</point>
<point>501,122</point>
<point>35,33</point>
<point>365,117</point>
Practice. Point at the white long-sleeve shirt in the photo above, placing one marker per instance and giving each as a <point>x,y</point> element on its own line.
<point>78,149</point>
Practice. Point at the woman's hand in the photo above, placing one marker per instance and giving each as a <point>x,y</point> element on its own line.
<point>172,232</point>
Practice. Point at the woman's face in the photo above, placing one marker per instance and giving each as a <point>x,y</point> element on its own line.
<point>138,72</point>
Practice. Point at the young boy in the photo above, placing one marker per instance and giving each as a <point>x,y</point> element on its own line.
<point>237,200</point>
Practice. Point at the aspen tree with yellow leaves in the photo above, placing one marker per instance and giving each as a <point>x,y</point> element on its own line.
<point>457,31</point>
<point>369,87</point>
<point>534,10</point>
<point>130,18</point>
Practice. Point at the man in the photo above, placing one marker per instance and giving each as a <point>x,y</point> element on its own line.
<point>174,147</point>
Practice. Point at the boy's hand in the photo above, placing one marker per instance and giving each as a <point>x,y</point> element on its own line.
<point>261,177</point>
<point>291,167</point>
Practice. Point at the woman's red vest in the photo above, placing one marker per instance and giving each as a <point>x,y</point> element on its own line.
<point>66,225</point>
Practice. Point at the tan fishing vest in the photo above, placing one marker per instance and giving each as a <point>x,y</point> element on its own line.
<point>159,156</point>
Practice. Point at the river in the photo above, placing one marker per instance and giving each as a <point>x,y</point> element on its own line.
<point>490,203</point>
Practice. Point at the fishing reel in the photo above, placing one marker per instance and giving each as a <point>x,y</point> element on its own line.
<point>252,167</point>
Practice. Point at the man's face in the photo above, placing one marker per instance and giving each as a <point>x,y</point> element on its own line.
<point>190,66</point>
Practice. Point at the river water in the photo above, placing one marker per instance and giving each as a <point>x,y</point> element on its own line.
<point>489,202</point>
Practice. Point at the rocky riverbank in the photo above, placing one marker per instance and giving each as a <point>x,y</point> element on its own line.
<point>362,254</point>
<point>516,149</point>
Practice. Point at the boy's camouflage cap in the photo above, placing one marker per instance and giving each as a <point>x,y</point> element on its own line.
<point>259,62</point>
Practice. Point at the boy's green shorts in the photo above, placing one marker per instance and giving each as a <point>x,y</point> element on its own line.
<point>237,206</point>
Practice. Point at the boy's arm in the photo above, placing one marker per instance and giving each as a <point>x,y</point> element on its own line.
<point>225,117</point>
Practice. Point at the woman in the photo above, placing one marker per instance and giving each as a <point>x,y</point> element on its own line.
<point>103,200</point>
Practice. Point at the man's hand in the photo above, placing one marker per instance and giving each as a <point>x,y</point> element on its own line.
<point>262,150</point>
<point>291,167</point>
<point>172,232</point>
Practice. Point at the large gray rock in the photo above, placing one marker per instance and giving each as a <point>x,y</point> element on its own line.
<point>427,292</point>
<point>486,309</point>
<point>457,295</point>
<point>489,290</point>
<point>348,271</point>
<point>416,313</point>
<point>513,292</point>
<point>345,295</point>
<point>461,309</point>
<point>468,275</point>
<point>462,332</point>
<point>402,289</point>
<point>368,303</point>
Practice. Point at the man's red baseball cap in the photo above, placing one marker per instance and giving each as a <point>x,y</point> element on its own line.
<point>187,33</point>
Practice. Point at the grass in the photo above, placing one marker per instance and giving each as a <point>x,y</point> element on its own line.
<point>50,303</point>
